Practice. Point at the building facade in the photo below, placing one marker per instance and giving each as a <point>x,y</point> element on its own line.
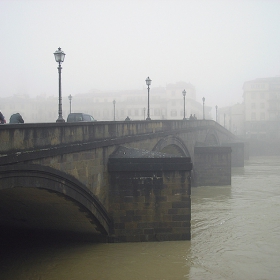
<point>232,118</point>
<point>165,103</point>
<point>262,108</point>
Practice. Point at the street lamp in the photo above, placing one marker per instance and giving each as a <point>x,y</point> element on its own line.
<point>70,99</point>
<point>216,113</point>
<point>184,94</point>
<point>148,82</point>
<point>203,100</point>
<point>59,57</point>
<point>114,103</point>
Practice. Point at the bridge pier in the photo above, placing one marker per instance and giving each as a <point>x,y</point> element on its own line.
<point>237,154</point>
<point>150,199</point>
<point>212,166</point>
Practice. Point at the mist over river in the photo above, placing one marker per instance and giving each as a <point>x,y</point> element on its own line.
<point>235,235</point>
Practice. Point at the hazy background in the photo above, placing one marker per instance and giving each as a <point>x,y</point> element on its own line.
<point>115,44</point>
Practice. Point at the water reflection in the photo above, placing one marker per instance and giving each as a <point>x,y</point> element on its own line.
<point>162,260</point>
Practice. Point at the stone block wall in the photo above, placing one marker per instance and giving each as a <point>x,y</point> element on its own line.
<point>212,166</point>
<point>150,203</point>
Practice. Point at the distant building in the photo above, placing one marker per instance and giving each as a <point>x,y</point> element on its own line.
<point>262,108</point>
<point>232,118</point>
<point>165,103</point>
<point>262,115</point>
<point>33,110</point>
<point>175,105</point>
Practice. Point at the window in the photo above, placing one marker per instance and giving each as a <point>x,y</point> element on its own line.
<point>253,105</point>
<point>253,116</point>
<point>257,86</point>
<point>262,117</point>
<point>262,106</point>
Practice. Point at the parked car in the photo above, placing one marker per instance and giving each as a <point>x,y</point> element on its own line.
<point>80,117</point>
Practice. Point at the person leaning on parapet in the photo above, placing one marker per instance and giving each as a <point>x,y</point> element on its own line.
<point>16,118</point>
<point>2,118</point>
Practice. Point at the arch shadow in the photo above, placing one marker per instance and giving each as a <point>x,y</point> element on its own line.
<point>172,145</point>
<point>212,138</point>
<point>38,195</point>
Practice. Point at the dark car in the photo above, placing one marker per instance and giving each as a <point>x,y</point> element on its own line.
<point>80,117</point>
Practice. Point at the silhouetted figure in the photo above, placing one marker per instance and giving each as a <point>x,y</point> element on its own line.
<point>194,117</point>
<point>127,119</point>
<point>2,118</point>
<point>191,117</point>
<point>16,118</point>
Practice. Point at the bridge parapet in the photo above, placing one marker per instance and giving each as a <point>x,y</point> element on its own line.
<point>21,137</point>
<point>38,136</point>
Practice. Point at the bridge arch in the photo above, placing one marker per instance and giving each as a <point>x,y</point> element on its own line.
<point>43,198</point>
<point>172,145</point>
<point>212,138</point>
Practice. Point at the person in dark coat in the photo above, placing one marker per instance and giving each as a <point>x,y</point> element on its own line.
<point>2,118</point>
<point>16,118</point>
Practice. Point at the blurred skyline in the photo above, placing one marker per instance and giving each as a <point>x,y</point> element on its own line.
<point>216,45</point>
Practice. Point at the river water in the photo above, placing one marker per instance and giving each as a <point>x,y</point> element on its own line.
<point>235,235</point>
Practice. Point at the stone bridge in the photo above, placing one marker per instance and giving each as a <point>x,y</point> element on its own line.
<point>110,181</point>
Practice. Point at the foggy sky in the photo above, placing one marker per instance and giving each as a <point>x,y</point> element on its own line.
<point>115,44</point>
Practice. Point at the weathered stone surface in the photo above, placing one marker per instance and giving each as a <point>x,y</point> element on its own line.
<point>212,166</point>
<point>158,207</point>
<point>142,187</point>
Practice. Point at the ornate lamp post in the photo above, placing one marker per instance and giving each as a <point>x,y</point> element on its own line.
<point>114,103</point>
<point>203,100</point>
<point>59,57</point>
<point>184,94</point>
<point>70,99</point>
<point>216,113</point>
<point>148,82</point>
